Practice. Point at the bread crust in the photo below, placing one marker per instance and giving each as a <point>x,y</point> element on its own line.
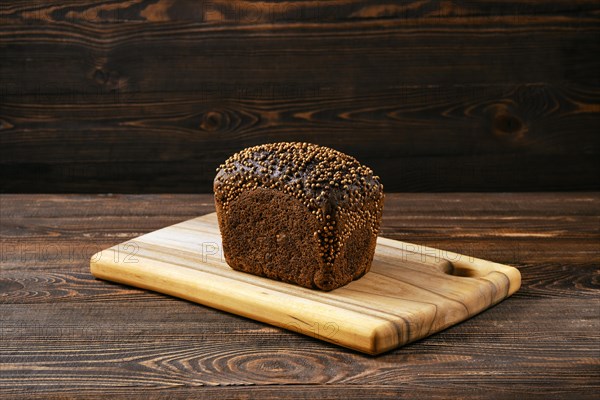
<point>298,213</point>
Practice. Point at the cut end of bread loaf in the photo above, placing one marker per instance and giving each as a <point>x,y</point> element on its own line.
<point>298,213</point>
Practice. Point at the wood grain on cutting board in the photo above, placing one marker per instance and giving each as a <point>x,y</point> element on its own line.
<point>411,291</point>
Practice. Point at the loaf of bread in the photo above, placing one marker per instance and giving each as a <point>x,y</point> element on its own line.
<point>298,213</point>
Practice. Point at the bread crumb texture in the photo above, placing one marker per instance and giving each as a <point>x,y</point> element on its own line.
<point>273,192</point>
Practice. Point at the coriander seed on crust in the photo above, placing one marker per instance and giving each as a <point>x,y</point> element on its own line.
<point>298,213</point>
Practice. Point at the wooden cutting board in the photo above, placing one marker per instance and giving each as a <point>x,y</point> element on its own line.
<point>411,291</point>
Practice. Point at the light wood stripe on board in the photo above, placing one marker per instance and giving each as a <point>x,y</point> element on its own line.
<point>411,291</point>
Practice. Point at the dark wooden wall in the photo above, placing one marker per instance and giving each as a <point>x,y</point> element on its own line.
<point>150,96</point>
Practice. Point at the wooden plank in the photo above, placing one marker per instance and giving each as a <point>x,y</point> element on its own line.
<point>116,46</point>
<point>301,391</point>
<point>187,346</point>
<point>421,174</point>
<point>540,281</point>
<point>445,138</point>
<point>201,62</point>
<point>247,12</point>
<point>474,119</point>
<point>456,96</point>
<point>64,334</point>
<point>571,210</point>
<point>410,292</point>
<point>58,232</point>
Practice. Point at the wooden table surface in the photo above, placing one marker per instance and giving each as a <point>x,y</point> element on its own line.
<point>63,333</point>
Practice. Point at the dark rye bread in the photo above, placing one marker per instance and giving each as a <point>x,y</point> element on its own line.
<point>298,213</point>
